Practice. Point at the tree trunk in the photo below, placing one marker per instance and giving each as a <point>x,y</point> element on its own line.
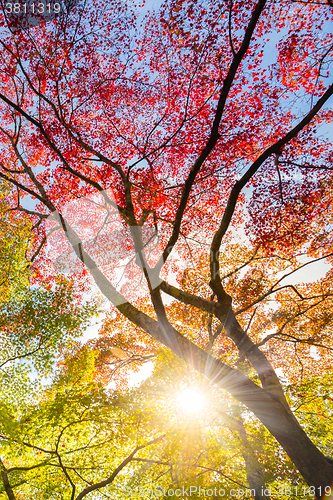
<point>282,424</point>
<point>267,406</point>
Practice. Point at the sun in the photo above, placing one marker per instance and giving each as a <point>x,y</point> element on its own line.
<point>191,401</point>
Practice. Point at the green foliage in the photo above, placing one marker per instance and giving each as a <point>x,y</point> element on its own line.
<point>312,401</point>
<point>42,323</point>
<point>73,435</point>
<point>15,231</point>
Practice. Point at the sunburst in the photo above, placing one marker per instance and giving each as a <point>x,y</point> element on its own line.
<point>191,400</point>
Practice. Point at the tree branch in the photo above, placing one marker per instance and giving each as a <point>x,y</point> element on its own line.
<point>111,478</point>
<point>214,134</point>
<point>6,483</point>
<point>235,192</point>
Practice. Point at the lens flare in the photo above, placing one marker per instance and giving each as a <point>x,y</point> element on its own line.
<point>191,401</point>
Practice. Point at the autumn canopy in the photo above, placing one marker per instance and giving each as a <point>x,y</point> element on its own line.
<point>169,170</point>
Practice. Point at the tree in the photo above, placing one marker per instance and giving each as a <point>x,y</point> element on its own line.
<point>178,119</point>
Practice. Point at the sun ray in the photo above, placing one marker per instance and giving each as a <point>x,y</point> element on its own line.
<point>191,401</point>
